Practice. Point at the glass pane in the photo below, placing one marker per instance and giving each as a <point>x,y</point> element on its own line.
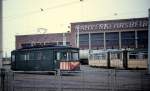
<point>112,40</point>
<point>75,56</point>
<point>128,39</point>
<point>58,55</point>
<point>13,58</point>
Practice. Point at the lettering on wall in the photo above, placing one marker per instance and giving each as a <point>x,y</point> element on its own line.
<point>112,25</point>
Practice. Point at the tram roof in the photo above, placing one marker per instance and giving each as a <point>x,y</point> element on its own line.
<point>46,47</point>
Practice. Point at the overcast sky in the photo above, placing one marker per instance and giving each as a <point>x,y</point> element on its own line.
<point>21,17</point>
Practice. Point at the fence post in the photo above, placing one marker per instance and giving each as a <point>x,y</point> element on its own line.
<point>125,59</point>
<point>59,80</point>
<point>142,81</point>
<point>2,79</point>
<point>108,59</point>
<point>83,81</point>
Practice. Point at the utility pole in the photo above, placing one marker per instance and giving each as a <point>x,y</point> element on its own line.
<point>1,35</point>
<point>149,43</point>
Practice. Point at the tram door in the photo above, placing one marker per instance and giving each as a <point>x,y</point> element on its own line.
<point>60,57</point>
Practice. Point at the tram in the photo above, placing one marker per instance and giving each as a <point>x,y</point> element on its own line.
<point>136,59</point>
<point>45,58</point>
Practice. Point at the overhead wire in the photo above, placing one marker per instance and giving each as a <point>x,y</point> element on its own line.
<point>41,10</point>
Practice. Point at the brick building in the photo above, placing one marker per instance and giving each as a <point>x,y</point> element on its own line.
<point>42,39</point>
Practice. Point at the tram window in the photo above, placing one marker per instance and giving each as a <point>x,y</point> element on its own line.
<point>98,56</point>
<point>114,56</point>
<point>31,56</point>
<point>66,56</point>
<point>38,56</point>
<point>136,56</point>
<point>63,56</point>
<point>75,56</point>
<point>22,57</point>
<point>58,55</point>
<point>13,58</point>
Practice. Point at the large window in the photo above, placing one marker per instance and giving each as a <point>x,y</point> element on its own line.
<point>142,37</point>
<point>84,41</point>
<point>24,45</point>
<point>128,39</point>
<point>51,43</point>
<point>61,43</point>
<point>112,40</point>
<point>97,40</point>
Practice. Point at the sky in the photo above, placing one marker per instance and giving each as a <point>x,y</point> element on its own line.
<point>23,17</point>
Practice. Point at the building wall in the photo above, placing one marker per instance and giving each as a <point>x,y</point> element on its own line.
<point>112,34</point>
<point>108,34</point>
<point>55,39</point>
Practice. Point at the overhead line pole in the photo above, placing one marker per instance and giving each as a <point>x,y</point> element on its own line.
<point>1,35</point>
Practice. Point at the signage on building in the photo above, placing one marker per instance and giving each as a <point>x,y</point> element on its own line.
<point>112,25</point>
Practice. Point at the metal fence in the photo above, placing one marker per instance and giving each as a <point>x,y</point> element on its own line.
<point>91,79</point>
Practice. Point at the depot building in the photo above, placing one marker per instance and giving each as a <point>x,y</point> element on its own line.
<point>95,35</point>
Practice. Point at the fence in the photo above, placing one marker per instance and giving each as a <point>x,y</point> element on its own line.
<point>88,79</point>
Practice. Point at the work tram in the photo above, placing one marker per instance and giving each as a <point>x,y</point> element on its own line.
<point>45,58</point>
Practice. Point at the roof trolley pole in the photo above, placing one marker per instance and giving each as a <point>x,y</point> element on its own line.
<point>149,43</point>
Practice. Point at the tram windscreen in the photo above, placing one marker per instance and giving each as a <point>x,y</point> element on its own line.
<point>68,56</point>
